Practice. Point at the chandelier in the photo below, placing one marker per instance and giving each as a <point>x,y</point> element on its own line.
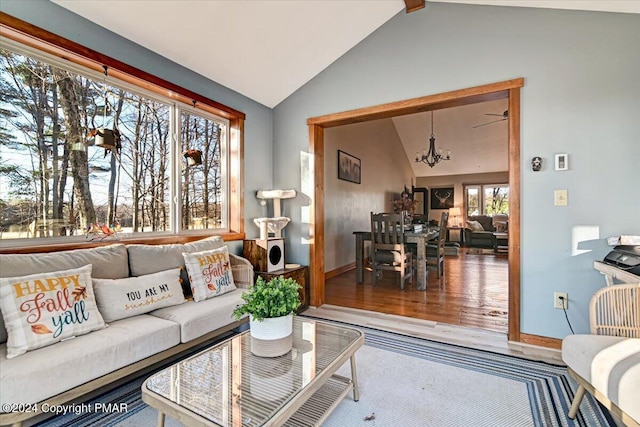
<point>433,156</point>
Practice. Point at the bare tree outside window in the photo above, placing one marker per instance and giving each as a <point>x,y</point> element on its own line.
<point>486,199</point>
<point>54,180</point>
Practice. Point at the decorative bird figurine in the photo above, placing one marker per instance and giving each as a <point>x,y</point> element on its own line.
<point>106,230</point>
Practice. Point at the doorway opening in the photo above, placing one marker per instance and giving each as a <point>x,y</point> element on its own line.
<point>503,90</point>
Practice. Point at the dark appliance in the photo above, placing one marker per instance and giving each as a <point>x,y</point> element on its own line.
<point>625,257</point>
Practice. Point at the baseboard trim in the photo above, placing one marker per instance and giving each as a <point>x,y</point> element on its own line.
<point>338,271</point>
<point>541,341</point>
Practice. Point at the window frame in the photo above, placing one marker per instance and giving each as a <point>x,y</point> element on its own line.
<point>76,57</point>
<point>481,196</point>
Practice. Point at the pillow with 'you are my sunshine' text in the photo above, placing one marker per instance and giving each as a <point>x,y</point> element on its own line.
<point>121,298</point>
<point>44,308</point>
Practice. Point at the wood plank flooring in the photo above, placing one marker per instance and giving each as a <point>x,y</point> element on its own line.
<point>473,292</point>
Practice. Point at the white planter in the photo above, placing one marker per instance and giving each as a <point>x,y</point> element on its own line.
<point>271,337</point>
<point>272,328</point>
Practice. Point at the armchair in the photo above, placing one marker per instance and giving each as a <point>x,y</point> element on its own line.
<point>479,229</point>
<point>607,362</point>
<point>478,232</point>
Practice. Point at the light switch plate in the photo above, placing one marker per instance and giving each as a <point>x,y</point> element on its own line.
<point>560,198</point>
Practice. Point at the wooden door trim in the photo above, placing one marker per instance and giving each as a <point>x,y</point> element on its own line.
<point>509,89</point>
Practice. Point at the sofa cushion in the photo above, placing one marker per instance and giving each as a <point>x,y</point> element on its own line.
<point>209,273</point>
<point>46,372</point>
<point>148,259</point>
<point>199,318</point>
<point>610,364</point>
<point>122,298</point>
<point>474,226</point>
<point>44,308</point>
<point>484,220</point>
<point>501,226</point>
<point>109,262</point>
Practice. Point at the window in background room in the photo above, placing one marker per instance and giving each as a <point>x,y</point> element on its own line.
<point>496,199</point>
<point>472,194</point>
<point>81,151</point>
<point>487,199</point>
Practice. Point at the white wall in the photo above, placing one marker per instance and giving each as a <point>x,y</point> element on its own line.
<point>385,172</point>
<point>581,97</point>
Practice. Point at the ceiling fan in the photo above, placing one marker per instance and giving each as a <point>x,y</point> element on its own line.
<point>504,115</point>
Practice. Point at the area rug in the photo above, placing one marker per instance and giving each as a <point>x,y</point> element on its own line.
<point>406,381</point>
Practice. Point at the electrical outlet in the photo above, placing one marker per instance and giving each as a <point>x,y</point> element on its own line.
<point>560,300</point>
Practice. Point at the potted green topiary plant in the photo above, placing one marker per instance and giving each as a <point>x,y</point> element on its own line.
<point>271,306</point>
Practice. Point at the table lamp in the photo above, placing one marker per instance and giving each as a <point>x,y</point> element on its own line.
<point>454,213</point>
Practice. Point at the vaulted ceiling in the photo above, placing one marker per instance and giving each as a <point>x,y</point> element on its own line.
<point>267,49</point>
<point>473,149</point>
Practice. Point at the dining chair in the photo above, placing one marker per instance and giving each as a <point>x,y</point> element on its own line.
<point>388,250</point>
<point>435,250</point>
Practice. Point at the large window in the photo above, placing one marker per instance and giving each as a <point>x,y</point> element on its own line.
<point>85,155</point>
<point>487,199</point>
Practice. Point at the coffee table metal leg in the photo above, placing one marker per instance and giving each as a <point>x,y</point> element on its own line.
<point>160,422</point>
<point>354,379</point>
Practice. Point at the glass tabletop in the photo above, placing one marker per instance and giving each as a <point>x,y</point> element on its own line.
<point>227,385</point>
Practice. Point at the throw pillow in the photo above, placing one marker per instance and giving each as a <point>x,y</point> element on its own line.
<point>45,308</point>
<point>501,226</point>
<point>209,273</point>
<point>474,226</point>
<point>143,259</point>
<point>122,298</point>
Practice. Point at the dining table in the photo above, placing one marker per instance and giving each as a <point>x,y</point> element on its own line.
<point>419,238</point>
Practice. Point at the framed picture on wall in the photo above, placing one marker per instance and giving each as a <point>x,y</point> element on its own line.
<point>348,167</point>
<point>442,198</point>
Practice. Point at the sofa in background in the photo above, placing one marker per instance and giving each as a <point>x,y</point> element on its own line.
<point>479,229</point>
<point>63,371</point>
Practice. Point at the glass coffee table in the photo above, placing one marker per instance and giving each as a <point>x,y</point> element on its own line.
<point>226,385</point>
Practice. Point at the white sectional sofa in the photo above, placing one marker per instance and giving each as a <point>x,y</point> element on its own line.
<point>71,368</point>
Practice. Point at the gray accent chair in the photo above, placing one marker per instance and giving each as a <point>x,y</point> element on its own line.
<point>480,239</point>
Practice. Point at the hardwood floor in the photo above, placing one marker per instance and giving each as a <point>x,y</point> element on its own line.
<point>473,292</point>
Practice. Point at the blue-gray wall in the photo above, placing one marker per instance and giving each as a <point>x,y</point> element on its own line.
<point>581,97</point>
<point>259,119</point>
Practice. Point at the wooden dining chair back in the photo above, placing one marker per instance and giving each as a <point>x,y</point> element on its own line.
<point>388,250</point>
<point>435,250</point>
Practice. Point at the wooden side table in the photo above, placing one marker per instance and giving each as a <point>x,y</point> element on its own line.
<point>300,274</point>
